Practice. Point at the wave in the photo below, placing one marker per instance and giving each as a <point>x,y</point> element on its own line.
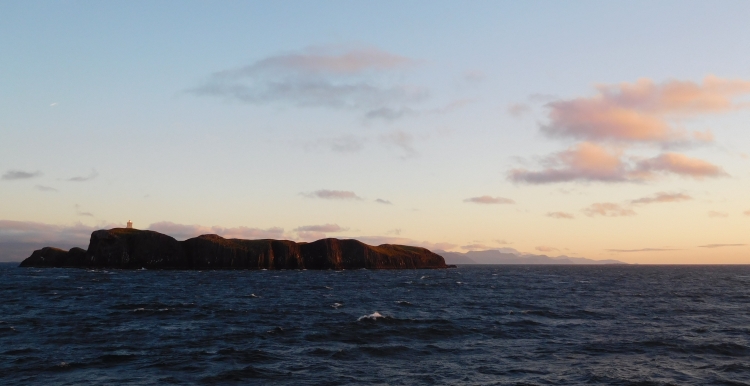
<point>374,316</point>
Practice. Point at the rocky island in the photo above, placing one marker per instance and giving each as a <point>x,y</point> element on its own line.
<point>127,248</point>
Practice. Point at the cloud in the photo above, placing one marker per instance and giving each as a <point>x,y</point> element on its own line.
<point>332,195</point>
<point>318,77</point>
<point>679,164</point>
<point>346,144</point>
<point>721,245</point>
<point>82,213</point>
<point>662,197</point>
<point>396,231</point>
<point>489,200</point>
<point>585,161</point>
<point>562,215</point>
<point>502,242</point>
<point>543,248</point>
<point>474,76</point>
<point>591,162</point>
<point>627,114</point>
<point>382,201</point>
<point>607,209</point>
<point>452,106</point>
<point>326,228</point>
<point>310,236</point>
<point>475,247</point>
<point>518,109</point>
<point>34,232</point>
<point>19,175</point>
<point>18,239</point>
<point>402,140</point>
<point>317,232</point>
<point>642,250</point>
<point>714,214</point>
<point>183,231</point>
<point>89,177</point>
<point>43,188</point>
<point>746,213</point>
<point>342,144</point>
<point>643,111</point>
<point>322,61</point>
<point>390,114</point>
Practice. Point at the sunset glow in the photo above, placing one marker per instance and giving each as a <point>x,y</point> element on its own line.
<point>543,128</point>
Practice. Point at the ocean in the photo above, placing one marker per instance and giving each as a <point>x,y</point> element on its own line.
<point>474,325</point>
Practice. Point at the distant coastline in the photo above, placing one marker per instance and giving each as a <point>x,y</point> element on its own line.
<point>495,256</point>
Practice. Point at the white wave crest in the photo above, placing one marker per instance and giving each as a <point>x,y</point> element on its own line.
<point>374,316</point>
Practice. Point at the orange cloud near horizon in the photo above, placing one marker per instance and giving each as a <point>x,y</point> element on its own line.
<point>608,209</point>
<point>588,161</point>
<point>662,197</point>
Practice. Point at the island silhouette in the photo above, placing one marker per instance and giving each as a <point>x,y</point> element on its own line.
<point>128,248</point>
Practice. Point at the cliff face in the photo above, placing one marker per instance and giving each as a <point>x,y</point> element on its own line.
<point>134,249</point>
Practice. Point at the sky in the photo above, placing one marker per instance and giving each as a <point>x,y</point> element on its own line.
<point>597,129</point>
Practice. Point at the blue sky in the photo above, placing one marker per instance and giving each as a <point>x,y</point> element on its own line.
<point>291,119</point>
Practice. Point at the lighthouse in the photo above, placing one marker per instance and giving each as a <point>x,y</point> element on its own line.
<point>130,225</point>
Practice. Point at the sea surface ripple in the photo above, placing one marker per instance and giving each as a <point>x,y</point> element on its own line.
<point>475,325</point>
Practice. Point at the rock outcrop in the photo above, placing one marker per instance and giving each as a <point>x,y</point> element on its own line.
<point>134,249</point>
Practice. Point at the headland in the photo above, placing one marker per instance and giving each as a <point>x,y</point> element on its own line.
<point>126,248</point>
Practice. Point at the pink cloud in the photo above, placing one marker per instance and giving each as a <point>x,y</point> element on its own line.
<point>682,165</point>
<point>324,61</point>
<point>588,161</point>
<point>18,239</point>
<point>362,79</point>
<point>490,200</point>
<point>662,197</point>
<point>562,215</point>
<point>249,233</point>
<point>543,248</point>
<point>34,232</point>
<point>746,213</point>
<point>607,209</point>
<point>642,111</point>
<point>585,161</point>
<point>716,214</point>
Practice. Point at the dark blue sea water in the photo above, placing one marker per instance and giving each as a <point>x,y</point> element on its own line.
<point>475,325</point>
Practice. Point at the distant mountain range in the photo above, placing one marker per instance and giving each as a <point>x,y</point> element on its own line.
<point>510,256</point>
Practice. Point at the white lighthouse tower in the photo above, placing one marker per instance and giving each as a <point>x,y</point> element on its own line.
<point>130,225</point>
